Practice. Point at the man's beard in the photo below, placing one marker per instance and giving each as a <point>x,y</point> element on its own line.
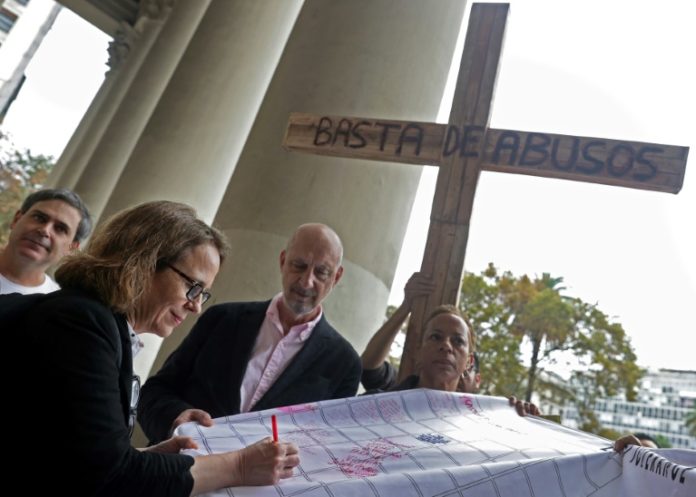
<point>304,306</point>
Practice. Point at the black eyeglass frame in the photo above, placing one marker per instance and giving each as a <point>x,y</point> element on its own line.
<point>196,289</point>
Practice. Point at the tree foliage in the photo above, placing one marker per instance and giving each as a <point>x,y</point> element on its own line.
<point>520,317</point>
<point>662,442</point>
<point>21,173</point>
<point>690,422</point>
<point>515,314</point>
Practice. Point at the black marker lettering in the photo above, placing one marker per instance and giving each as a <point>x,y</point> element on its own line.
<point>635,452</point>
<point>502,145</point>
<point>681,478</point>
<point>570,162</point>
<point>324,125</point>
<point>623,166</point>
<point>343,129</point>
<point>403,137</point>
<point>540,147</point>
<point>472,134</point>
<point>641,159</point>
<point>385,132</point>
<point>448,149</point>
<point>356,133</point>
<point>675,472</point>
<point>598,164</point>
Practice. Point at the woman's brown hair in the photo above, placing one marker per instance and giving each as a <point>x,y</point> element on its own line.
<point>125,252</point>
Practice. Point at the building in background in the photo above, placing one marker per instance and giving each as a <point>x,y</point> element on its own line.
<point>665,398</point>
<point>23,25</point>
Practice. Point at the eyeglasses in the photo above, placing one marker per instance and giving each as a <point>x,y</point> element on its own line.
<point>135,397</point>
<point>196,289</point>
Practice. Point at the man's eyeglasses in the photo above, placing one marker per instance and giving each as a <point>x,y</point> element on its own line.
<point>196,289</point>
<point>135,396</point>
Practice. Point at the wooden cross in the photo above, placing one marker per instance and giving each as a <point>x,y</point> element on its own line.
<point>465,146</point>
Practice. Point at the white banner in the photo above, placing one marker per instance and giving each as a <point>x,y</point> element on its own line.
<point>426,443</point>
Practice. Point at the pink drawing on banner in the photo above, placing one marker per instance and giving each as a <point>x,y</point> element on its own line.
<point>298,408</point>
<point>338,416</point>
<point>441,404</point>
<point>323,434</point>
<point>469,404</point>
<point>391,410</point>
<point>365,461</point>
<point>366,411</point>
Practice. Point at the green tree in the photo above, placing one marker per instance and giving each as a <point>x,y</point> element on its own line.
<point>544,317</point>
<point>662,442</point>
<point>690,422</point>
<point>483,297</point>
<point>609,434</point>
<point>510,313</point>
<point>21,173</point>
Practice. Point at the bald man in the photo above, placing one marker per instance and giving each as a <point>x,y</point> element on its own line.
<point>250,356</point>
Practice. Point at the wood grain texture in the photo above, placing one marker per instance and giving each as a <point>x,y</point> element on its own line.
<point>458,175</point>
<point>631,164</point>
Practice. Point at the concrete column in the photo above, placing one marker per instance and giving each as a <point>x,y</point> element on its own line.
<point>191,144</point>
<point>123,131</point>
<point>371,58</point>
<point>62,174</point>
<point>126,54</point>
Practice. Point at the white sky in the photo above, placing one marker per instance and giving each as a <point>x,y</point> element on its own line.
<point>62,79</point>
<point>605,68</point>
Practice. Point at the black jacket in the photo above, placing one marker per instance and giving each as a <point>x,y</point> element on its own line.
<point>207,369</point>
<point>73,425</point>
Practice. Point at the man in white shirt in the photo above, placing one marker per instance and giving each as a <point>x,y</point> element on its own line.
<point>49,224</point>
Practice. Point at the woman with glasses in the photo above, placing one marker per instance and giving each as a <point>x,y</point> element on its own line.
<point>144,271</point>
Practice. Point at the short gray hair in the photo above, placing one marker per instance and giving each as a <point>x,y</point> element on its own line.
<point>69,197</point>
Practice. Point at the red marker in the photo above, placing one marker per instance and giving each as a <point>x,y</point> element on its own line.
<point>274,426</point>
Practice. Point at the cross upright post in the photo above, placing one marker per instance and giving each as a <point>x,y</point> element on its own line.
<point>458,177</point>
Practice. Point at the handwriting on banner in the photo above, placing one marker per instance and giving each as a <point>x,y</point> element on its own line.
<point>659,465</point>
<point>364,461</point>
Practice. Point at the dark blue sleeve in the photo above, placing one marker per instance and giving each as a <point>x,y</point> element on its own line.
<point>382,378</point>
<point>348,386</point>
<point>162,396</point>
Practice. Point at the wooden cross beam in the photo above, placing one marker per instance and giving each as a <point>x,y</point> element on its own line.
<point>465,146</point>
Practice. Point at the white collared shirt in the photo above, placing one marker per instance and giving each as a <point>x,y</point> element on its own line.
<point>136,344</point>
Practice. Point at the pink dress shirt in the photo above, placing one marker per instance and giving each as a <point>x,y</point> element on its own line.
<point>272,353</point>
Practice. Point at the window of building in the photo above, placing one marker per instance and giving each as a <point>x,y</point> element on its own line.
<point>7,20</point>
